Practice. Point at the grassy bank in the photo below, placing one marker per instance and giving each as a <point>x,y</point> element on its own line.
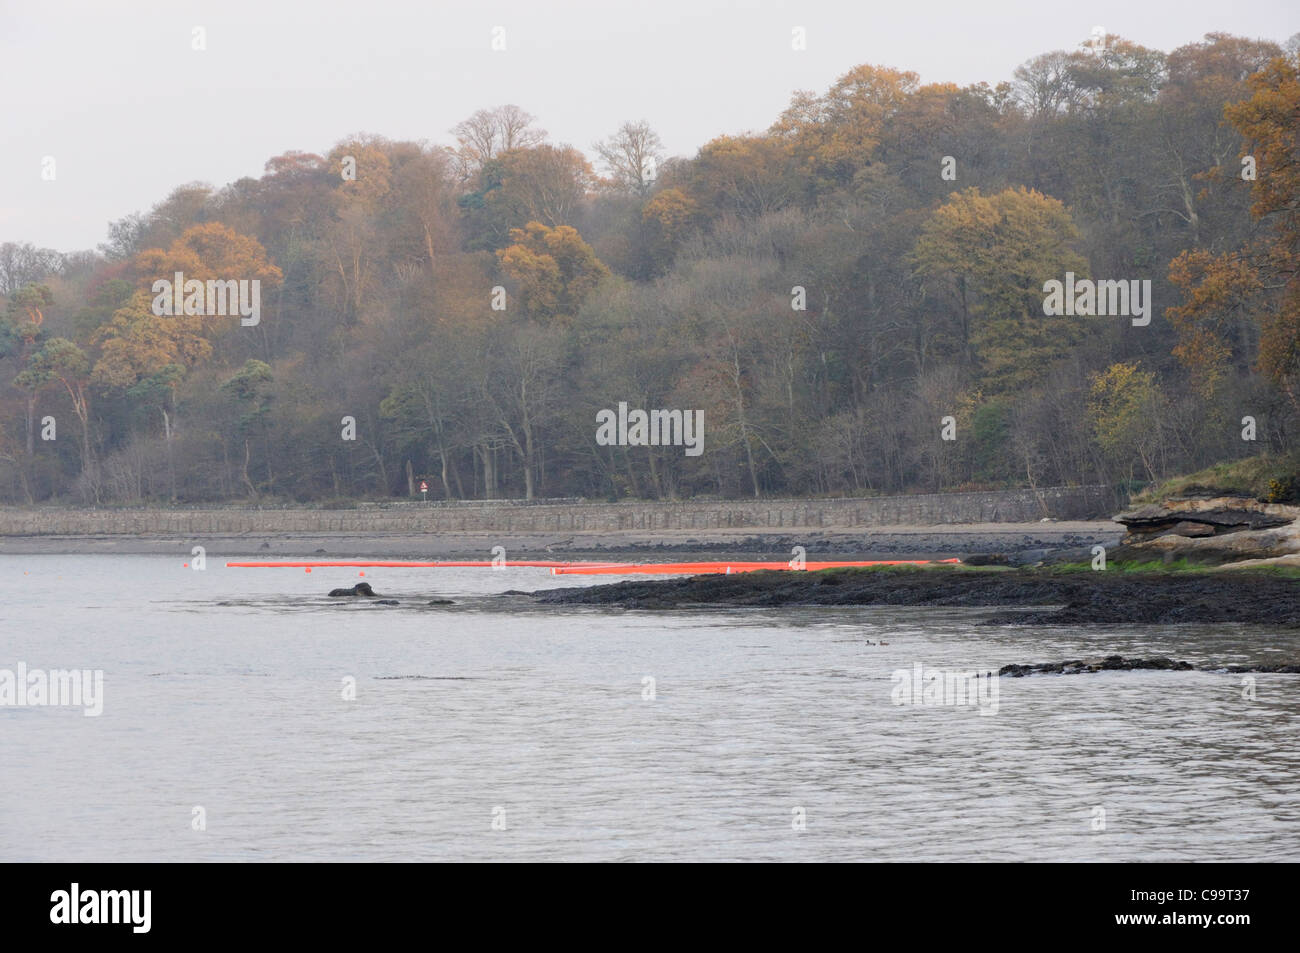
<point>1265,477</point>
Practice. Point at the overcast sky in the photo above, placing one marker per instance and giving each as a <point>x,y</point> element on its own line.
<point>114,91</point>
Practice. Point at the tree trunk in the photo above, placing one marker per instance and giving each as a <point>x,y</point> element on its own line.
<point>31,425</point>
<point>243,472</point>
<point>446,485</point>
<point>171,468</point>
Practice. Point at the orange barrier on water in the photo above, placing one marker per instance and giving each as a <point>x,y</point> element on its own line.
<point>629,569</point>
<point>398,564</point>
<point>585,568</point>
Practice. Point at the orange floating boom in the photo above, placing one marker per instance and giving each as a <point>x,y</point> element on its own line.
<point>397,564</point>
<point>582,568</point>
<point>619,569</point>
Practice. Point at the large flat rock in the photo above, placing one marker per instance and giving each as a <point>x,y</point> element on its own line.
<point>1212,529</point>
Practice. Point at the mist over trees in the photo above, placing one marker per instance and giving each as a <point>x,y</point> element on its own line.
<point>826,291</point>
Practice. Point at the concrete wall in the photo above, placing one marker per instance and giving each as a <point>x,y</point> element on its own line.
<point>571,516</point>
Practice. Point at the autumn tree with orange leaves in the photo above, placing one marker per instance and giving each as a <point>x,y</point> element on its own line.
<point>1242,308</point>
<point>553,268</point>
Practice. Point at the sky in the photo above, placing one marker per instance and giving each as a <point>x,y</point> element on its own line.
<point>116,94</point>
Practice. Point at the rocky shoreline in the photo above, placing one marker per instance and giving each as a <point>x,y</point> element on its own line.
<point>1231,531</point>
<point>1042,596</point>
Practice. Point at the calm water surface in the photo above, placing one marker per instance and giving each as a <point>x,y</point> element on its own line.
<point>223,689</point>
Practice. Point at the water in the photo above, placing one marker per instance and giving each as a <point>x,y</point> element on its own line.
<point>223,691</point>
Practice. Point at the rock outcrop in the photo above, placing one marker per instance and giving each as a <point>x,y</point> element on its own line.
<point>1221,530</point>
<point>360,589</point>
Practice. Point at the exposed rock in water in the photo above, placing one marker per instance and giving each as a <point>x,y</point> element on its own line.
<point>1117,663</point>
<point>1111,663</point>
<point>440,602</point>
<point>360,589</point>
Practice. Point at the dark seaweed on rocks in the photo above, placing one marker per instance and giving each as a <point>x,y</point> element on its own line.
<point>1117,663</point>
<point>1076,598</point>
<point>1111,663</point>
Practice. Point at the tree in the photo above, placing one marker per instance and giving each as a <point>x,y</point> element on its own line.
<point>1215,323</point>
<point>834,135</point>
<point>158,392</point>
<point>993,254</point>
<point>491,132</point>
<point>124,237</point>
<point>211,250</point>
<point>1270,120</point>
<point>25,264</point>
<point>1045,85</point>
<point>427,209</point>
<point>136,343</point>
<point>63,361</point>
<point>1252,290</point>
<point>1125,406</point>
<point>186,206</point>
<point>22,324</point>
<point>746,175</point>
<point>528,364</point>
<point>1195,138</point>
<point>554,269</point>
<point>370,172</point>
<point>543,184</point>
<point>250,390</point>
<point>1116,73</point>
<point>632,156</point>
<point>669,217</point>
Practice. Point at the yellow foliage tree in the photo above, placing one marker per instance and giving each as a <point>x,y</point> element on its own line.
<point>836,134</point>
<point>554,269</point>
<point>1124,407</point>
<point>994,254</point>
<point>136,343</point>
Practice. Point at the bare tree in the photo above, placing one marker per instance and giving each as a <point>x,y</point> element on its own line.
<point>632,156</point>
<point>1045,85</point>
<point>124,237</point>
<point>25,264</point>
<point>490,132</point>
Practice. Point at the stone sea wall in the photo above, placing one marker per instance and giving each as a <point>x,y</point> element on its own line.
<point>551,516</point>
